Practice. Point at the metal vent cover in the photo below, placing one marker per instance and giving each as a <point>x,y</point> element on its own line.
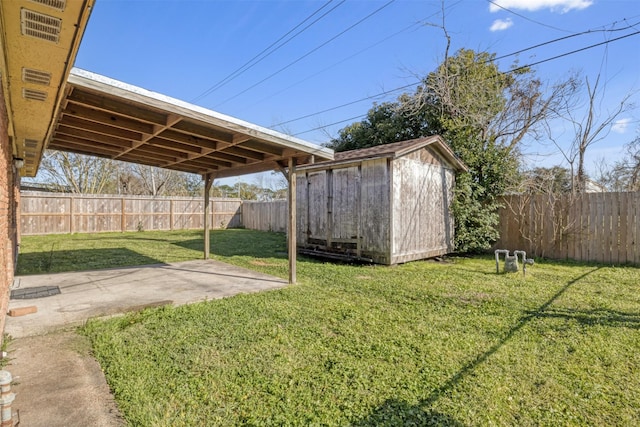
<point>56,4</point>
<point>34,95</point>
<point>30,143</point>
<point>39,25</point>
<point>29,75</point>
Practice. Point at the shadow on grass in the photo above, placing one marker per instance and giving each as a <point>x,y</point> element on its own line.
<point>604,317</point>
<point>241,242</point>
<point>399,413</point>
<point>79,260</point>
<point>467,369</point>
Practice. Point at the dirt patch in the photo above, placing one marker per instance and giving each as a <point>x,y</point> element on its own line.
<point>364,277</point>
<point>58,383</point>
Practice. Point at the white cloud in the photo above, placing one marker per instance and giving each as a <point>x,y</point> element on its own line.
<point>620,126</point>
<point>563,6</point>
<point>501,24</point>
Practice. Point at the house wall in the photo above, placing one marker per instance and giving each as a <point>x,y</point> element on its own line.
<point>9,198</point>
<point>422,225</point>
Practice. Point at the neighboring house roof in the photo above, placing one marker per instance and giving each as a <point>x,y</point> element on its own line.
<point>394,151</point>
<point>591,186</point>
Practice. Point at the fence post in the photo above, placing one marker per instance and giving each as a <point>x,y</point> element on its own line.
<point>123,220</point>
<point>171,214</point>
<point>71,207</point>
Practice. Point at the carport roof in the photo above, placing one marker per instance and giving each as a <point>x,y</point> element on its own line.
<point>104,117</point>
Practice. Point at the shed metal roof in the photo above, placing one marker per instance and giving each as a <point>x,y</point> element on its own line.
<point>104,117</point>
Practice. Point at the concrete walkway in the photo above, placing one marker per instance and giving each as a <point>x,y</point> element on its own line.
<point>58,383</point>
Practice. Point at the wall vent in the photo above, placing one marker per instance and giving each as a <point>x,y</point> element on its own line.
<point>30,143</point>
<point>34,95</point>
<point>29,75</point>
<point>39,25</point>
<point>56,4</point>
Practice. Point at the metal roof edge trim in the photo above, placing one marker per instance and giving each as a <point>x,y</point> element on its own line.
<point>418,143</point>
<point>442,146</point>
<point>90,80</point>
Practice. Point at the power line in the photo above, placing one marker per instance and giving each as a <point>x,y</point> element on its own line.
<point>347,104</point>
<point>606,42</point>
<point>487,61</point>
<point>331,124</point>
<point>421,22</point>
<point>528,19</point>
<point>337,63</point>
<point>562,39</point>
<point>254,61</point>
<point>308,53</point>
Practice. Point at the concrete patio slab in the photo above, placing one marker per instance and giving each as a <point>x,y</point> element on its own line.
<point>57,381</point>
<point>98,293</point>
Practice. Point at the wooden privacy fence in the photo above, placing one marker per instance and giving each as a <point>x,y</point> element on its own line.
<point>265,216</point>
<point>600,227</point>
<point>55,213</point>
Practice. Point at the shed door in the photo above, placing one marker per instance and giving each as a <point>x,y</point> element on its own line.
<point>316,206</point>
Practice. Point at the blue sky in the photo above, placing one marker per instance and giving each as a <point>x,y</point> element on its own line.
<point>358,49</point>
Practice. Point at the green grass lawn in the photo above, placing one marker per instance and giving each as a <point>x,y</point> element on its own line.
<point>423,343</point>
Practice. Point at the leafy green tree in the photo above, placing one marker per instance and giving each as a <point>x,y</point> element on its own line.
<point>385,123</point>
<point>484,114</point>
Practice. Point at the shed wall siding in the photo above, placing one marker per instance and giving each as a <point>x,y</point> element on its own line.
<point>422,191</point>
<point>375,210</point>
<point>388,210</point>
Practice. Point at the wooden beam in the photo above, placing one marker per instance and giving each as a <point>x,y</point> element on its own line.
<point>92,137</point>
<point>203,131</point>
<point>244,153</point>
<point>105,104</point>
<point>108,118</point>
<point>292,221</point>
<point>82,124</point>
<point>208,180</point>
<point>195,141</point>
<point>262,147</point>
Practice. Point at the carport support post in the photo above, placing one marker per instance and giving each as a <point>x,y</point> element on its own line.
<point>208,180</point>
<point>292,221</point>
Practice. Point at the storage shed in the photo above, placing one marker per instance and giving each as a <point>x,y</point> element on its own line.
<point>386,204</point>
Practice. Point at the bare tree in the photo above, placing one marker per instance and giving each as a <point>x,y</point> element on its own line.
<point>76,173</point>
<point>623,175</point>
<point>589,129</point>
